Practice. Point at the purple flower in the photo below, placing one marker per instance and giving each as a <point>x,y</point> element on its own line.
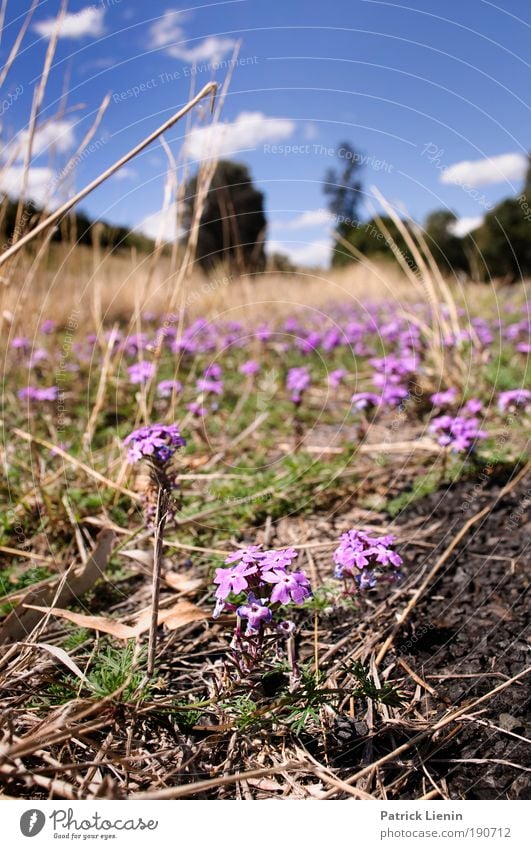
<point>250,367</point>
<point>213,370</point>
<point>141,372</point>
<point>445,398</point>
<point>335,377</point>
<point>457,432</point>
<point>364,558</point>
<point>286,628</point>
<point>233,580</point>
<point>205,384</point>
<point>48,326</point>
<point>166,387</point>
<point>30,393</point>
<point>255,612</point>
<point>473,406</point>
<point>252,554</point>
<point>514,399</point>
<point>288,587</point>
<point>21,343</point>
<point>297,381</point>
<point>157,443</point>
<point>196,409</point>
<point>279,559</point>
<point>365,400</point>
<point>394,395</point>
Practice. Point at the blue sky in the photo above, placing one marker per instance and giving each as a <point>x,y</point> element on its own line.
<point>434,96</point>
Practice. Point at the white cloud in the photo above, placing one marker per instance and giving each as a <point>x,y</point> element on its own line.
<point>39,183</point>
<point>211,50</point>
<point>310,218</point>
<point>166,29</point>
<point>248,130</point>
<point>482,172</point>
<point>89,21</point>
<point>56,136</point>
<point>126,174</point>
<point>159,225</point>
<point>465,225</point>
<point>309,254</point>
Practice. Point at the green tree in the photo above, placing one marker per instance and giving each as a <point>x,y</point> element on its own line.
<point>448,249</point>
<point>370,240</point>
<point>233,223</point>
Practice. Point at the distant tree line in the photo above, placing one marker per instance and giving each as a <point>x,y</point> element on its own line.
<point>499,248</point>
<point>76,228</point>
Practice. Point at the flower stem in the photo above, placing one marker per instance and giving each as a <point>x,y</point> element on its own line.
<point>160,521</point>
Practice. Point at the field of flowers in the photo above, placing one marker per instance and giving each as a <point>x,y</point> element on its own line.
<point>273,557</point>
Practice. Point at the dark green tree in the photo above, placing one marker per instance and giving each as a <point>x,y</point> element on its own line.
<point>448,249</point>
<point>343,189</point>
<point>371,240</point>
<point>233,222</point>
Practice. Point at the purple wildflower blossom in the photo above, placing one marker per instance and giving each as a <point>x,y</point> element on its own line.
<point>250,367</point>
<point>196,409</point>
<point>473,406</point>
<point>288,587</point>
<point>335,377</point>
<point>141,372</point>
<point>156,442</point>
<point>255,612</point>
<point>30,393</point>
<point>445,398</point>
<point>297,381</point>
<point>364,558</point>
<point>206,384</point>
<point>514,399</point>
<point>21,343</point>
<point>213,370</point>
<point>457,432</point>
<point>365,400</point>
<point>48,326</point>
<point>166,387</point>
<point>233,580</point>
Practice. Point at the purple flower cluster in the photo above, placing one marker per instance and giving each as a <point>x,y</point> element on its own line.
<point>362,560</point>
<point>265,580</point>
<point>514,399</point>
<point>156,443</point>
<point>30,393</point>
<point>457,432</point>
<point>297,381</point>
<point>391,376</point>
<point>166,387</point>
<point>365,400</point>
<point>141,372</point>
<point>445,398</point>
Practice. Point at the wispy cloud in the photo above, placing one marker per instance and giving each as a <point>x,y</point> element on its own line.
<point>465,225</point>
<point>126,174</point>
<point>168,30</point>
<point>39,181</point>
<point>159,225</point>
<point>88,21</point>
<point>56,136</point>
<point>482,172</point>
<point>309,254</point>
<point>211,50</point>
<point>310,218</point>
<point>246,132</point>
